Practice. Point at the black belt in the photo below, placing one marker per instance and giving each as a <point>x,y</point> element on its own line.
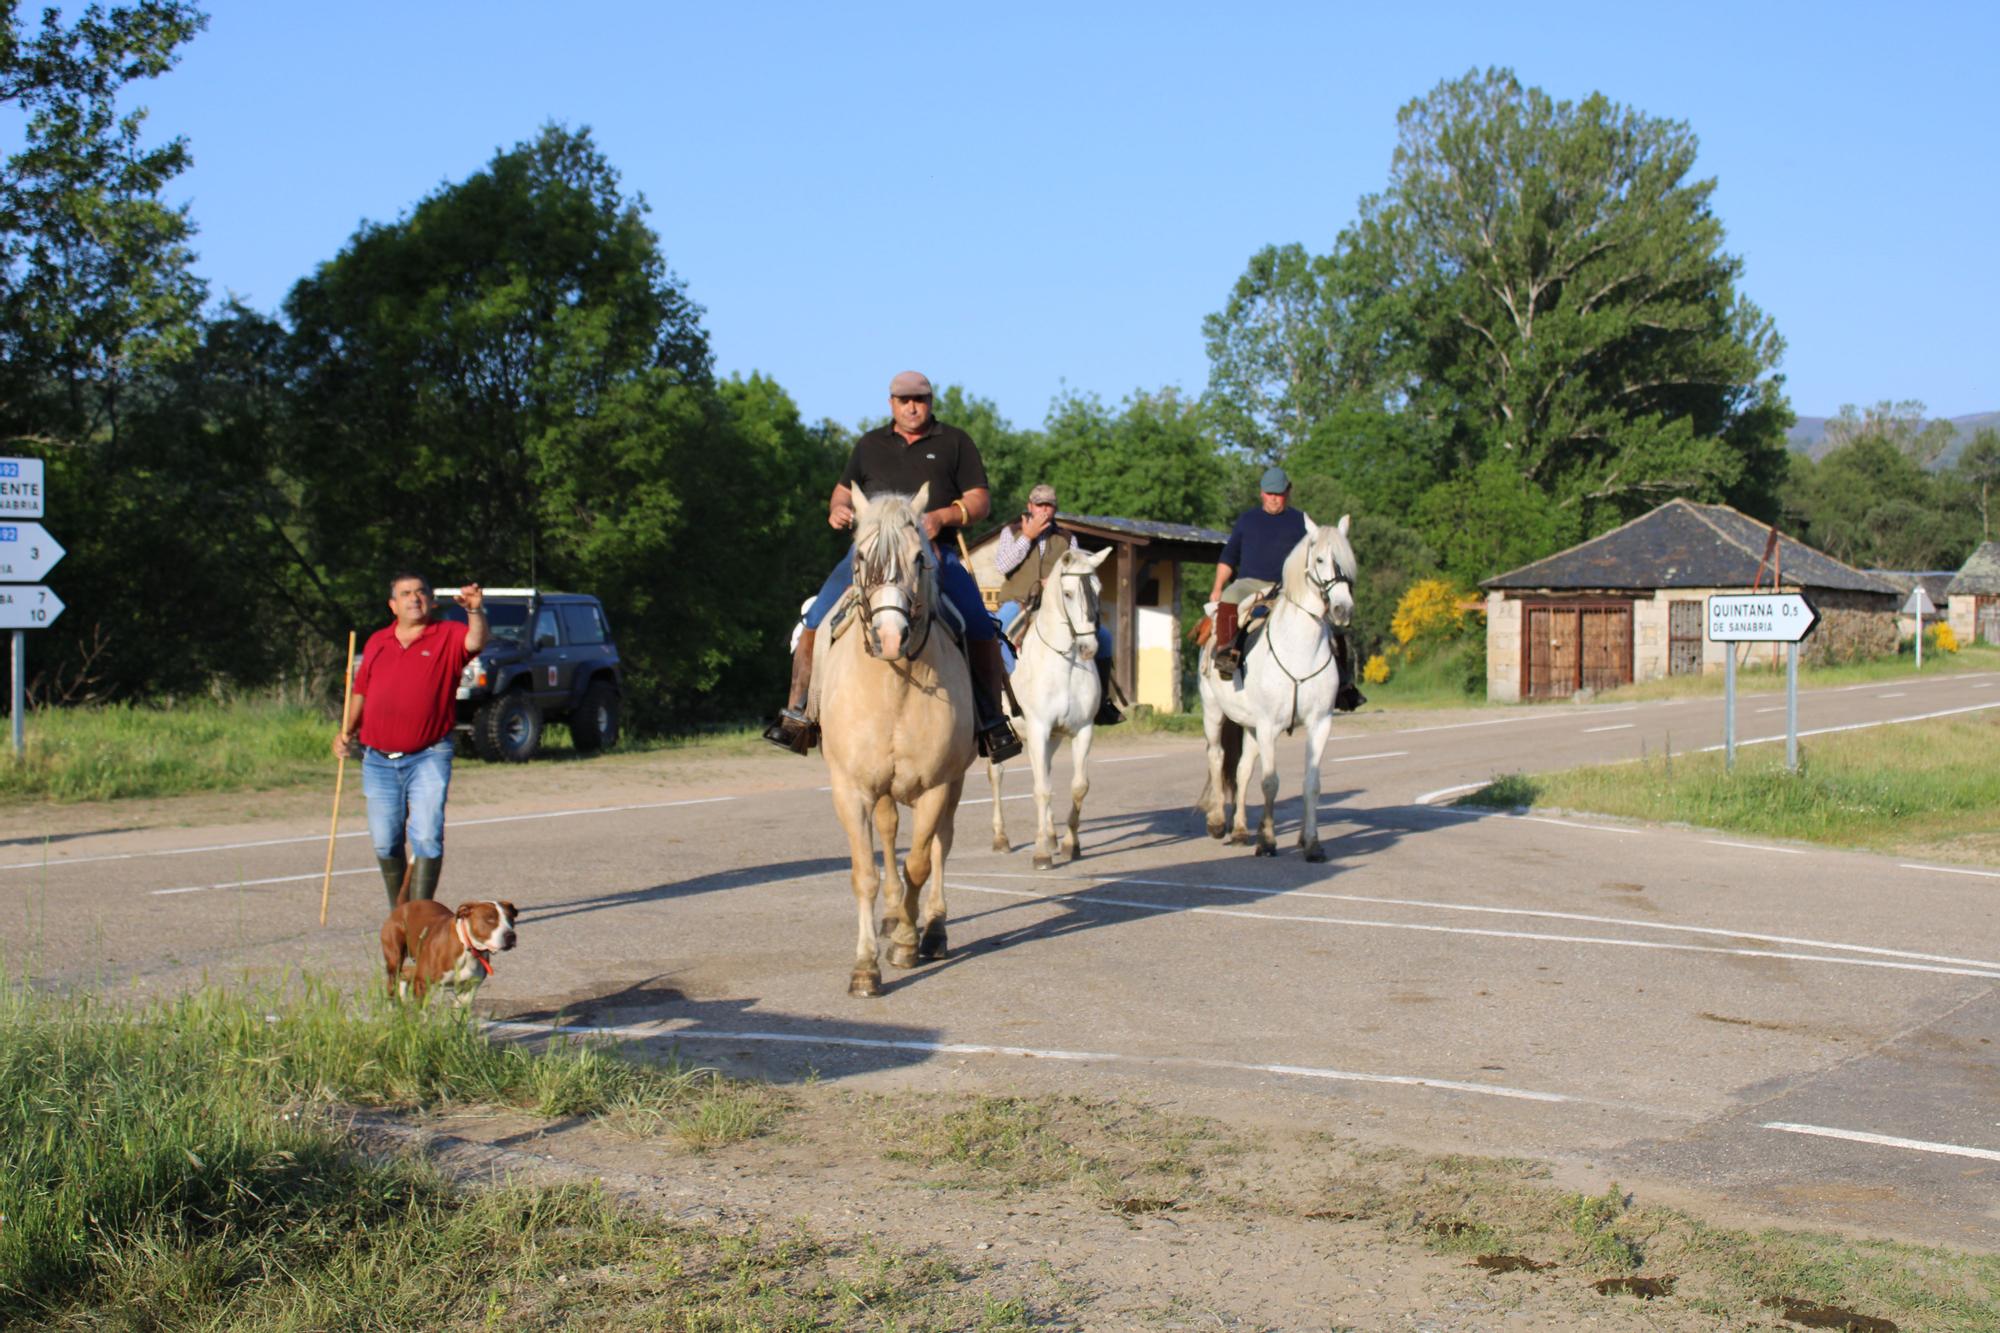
<point>387,754</point>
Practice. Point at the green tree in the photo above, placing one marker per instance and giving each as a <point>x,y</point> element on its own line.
<point>1979,470</point>
<point>1902,424</point>
<point>1869,504</point>
<point>1153,459</point>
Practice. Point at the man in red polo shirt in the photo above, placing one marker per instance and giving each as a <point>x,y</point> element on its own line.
<point>404,704</point>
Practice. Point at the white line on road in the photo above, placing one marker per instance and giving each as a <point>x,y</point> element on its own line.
<point>1126,759</point>
<point>1950,870</point>
<point>1029,1052</point>
<point>1886,1140</point>
<point>248,883</point>
<point>988,800</point>
<point>1572,823</point>
<point>1430,796</point>
<point>1755,847</point>
<point>1862,726</point>
<point>1774,708</point>
<point>1357,758</point>
<point>1621,726</point>
<point>1541,913</point>
<point>1987,970</point>
<point>1896,695</point>
<point>54,862</point>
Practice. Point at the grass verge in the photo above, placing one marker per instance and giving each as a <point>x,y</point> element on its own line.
<point>1922,788</point>
<point>1764,680</point>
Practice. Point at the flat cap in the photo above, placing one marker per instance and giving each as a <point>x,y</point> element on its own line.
<point>1275,481</point>
<point>910,384</point>
<point>1043,494</point>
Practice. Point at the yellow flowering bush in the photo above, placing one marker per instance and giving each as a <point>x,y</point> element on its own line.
<point>1942,639</point>
<point>1428,611</point>
<point>1377,670</point>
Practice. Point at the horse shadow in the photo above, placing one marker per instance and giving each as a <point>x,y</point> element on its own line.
<point>745,877</point>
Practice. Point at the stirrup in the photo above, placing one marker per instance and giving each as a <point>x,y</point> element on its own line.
<point>1227,660</point>
<point>794,731</point>
<point>1107,714</point>
<point>998,742</point>
<point>1346,699</point>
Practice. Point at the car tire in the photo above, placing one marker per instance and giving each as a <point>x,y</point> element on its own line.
<point>509,729</point>
<point>593,726</point>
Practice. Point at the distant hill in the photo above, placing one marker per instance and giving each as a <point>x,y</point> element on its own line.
<point>1809,435</point>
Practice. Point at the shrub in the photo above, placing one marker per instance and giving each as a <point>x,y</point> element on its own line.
<point>1376,671</point>
<point>1942,638</point>
<point>1428,614</point>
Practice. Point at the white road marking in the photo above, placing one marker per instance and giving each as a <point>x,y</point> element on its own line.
<point>1862,726</point>
<point>1460,726</point>
<point>1430,796</point>
<point>1029,1052</point>
<point>1755,847</point>
<point>1983,685</point>
<point>1017,796</point>
<point>1987,970</point>
<point>1541,913</point>
<point>1951,870</point>
<point>1621,726</point>
<point>1357,758</point>
<point>1897,695</point>
<point>1572,823</point>
<point>54,862</point>
<point>1774,708</point>
<point>1886,1140</point>
<point>1125,759</point>
<point>247,883</point>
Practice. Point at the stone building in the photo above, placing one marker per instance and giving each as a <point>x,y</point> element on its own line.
<point>1631,604</point>
<point>1973,596</point>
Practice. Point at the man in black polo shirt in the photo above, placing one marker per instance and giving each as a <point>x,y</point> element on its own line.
<point>914,448</point>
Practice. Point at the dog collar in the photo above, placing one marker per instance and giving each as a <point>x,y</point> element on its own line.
<point>479,955</point>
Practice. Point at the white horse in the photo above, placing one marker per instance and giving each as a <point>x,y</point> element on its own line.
<point>1288,679</point>
<point>1055,682</point>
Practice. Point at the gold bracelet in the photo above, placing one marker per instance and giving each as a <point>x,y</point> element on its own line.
<point>964,514</point>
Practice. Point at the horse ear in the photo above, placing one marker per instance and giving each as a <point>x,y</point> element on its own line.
<point>1343,525</point>
<point>1312,528</point>
<point>860,500</point>
<point>921,501</point>
<point>1096,561</point>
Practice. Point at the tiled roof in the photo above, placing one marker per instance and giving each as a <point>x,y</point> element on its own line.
<point>1685,545</point>
<point>1933,581</point>
<point>1980,574</point>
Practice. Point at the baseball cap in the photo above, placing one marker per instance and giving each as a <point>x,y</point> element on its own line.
<point>910,384</point>
<point>1043,494</point>
<point>1275,481</point>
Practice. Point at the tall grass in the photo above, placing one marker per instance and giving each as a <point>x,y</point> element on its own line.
<point>189,1144</point>
<point>122,750</point>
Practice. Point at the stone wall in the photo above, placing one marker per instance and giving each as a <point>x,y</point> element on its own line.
<point>1852,626</point>
<point>1503,648</point>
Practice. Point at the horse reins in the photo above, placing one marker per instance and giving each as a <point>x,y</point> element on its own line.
<point>1324,587</point>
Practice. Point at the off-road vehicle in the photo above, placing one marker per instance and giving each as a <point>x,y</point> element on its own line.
<point>551,658</point>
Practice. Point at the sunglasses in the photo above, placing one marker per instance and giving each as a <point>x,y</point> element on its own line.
<point>913,398</point>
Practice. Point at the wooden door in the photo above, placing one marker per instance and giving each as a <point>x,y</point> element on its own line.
<point>1986,619</point>
<point>1570,648</point>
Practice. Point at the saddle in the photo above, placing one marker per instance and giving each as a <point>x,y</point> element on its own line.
<point>843,617</point>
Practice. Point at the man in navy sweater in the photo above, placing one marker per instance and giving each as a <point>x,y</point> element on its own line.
<point>1253,561</point>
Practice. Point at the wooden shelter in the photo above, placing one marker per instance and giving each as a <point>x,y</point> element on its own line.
<point>1142,593</point>
<point>1632,604</point>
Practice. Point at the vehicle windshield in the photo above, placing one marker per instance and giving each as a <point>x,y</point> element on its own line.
<point>504,620</point>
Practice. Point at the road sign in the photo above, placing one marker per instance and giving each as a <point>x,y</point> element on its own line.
<point>26,552</point>
<point>1760,617</point>
<point>28,606</point>
<point>20,488</point>
<point>1919,603</point>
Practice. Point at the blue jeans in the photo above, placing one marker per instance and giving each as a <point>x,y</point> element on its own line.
<point>407,793</point>
<point>955,581</point>
<point>1010,611</point>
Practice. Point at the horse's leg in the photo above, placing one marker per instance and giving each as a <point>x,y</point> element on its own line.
<point>1079,785</point>
<point>899,896</point>
<point>1041,759</point>
<point>1213,803</point>
<point>851,805</point>
<point>1000,843</point>
<point>1267,756</point>
<point>1316,736</point>
<point>1246,764</point>
<point>930,843</point>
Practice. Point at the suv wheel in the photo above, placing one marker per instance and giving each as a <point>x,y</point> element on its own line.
<point>509,729</point>
<point>593,726</point>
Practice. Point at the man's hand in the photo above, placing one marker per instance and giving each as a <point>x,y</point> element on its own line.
<point>472,597</point>
<point>343,745</point>
<point>1035,524</point>
<point>840,515</point>
<point>936,519</point>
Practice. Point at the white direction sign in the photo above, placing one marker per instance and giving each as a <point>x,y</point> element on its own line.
<point>28,606</point>
<point>26,552</point>
<point>1760,617</point>
<point>20,488</point>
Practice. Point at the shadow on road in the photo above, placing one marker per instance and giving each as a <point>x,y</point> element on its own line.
<point>746,877</point>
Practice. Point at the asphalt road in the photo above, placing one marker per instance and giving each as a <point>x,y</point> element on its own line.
<point>1774,1031</point>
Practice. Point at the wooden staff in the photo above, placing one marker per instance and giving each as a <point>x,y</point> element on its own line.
<point>339,775</point>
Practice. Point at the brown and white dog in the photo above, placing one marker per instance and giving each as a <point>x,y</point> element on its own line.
<point>443,947</point>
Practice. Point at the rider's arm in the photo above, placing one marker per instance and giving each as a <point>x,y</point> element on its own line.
<point>977,502</point>
<point>1010,548</point>
<point>840,508</point>
<point>1223,574</point>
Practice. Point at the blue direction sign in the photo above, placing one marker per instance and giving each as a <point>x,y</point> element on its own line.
<point>28,606</point>
<point>1760,617</point>
<point>26,552</point>
<point>20,488</point>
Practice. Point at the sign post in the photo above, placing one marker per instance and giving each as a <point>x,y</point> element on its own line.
<point>1921,606</point>
<point>1761,617</point>
<point>27,552</point>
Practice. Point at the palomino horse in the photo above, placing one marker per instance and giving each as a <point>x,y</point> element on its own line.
<point>1288,678</point>
<point>896,726</point>
<point>1055,683</point>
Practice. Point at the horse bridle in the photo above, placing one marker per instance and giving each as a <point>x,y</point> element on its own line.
<point>1076,635</point>
<point>887,597</point>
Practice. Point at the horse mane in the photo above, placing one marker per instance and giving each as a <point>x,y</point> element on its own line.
<point>1295,563</point>
<point>888,534</point>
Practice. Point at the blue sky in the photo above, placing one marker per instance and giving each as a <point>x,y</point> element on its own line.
<point>1022,197</point>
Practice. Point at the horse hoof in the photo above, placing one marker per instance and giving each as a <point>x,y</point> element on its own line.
<point>933,946</point>
<point>1267,849</point>
<point>1239,840</point>
<point>1044,862</point>
<point>902,955</point>
<point>1217,830</point>
<point>1315,853</point>
<point>865,985</point>
<point>1002,845</point>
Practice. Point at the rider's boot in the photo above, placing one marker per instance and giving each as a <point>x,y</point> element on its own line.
<point>1228,656</point>
<point>1349,696</point>
<point>792,729</point>
<point>1107,712</point>
<point>997,740</point>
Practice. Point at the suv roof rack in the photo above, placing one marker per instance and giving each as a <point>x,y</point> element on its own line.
<point>444,594</point>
